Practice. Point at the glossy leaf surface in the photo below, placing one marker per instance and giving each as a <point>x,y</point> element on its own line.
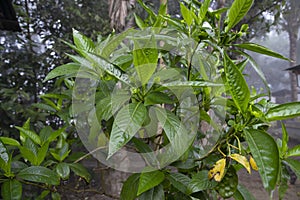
<point>145,59</point>
<point>153,194</point>
<point>266,155</point>
<point>9,141</point>
<point>127,122</point>
<point>11,190</point>
<point>237,85</point>
<point>260,49</point>
<point>294,164</point>
<point>283,111</point>
<point>294,151</point>
<point>237,11</point>
<point>31,134</point>
<point>63,70</point>
<point>179,181</point>
<point>200,182</point>
<point>63,170</point>
<point>130,187</point>
<point>149,180</point>
<point>39,174</point>
<point>81,171</point>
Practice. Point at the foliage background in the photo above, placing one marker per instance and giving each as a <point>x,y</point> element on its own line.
<point>27,57</point>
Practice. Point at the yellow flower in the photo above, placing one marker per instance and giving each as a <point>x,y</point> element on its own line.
<point>253,163</point>
<point>217,172</point>
<point>242,160</point>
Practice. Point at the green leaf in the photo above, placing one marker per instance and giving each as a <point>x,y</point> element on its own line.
<point>123,61</point>
<point>114,43</point>
<point>195,84</point>
<point>179,181</point>
<point>26,126</point>
<point>179,137</point>
<point>163,9</point>
<point>283,111</point>
<point>82,42</point>
<point>11,190</point>
<point>294,165</point>
<point>109,105</point>
<point>237,11</point>
<point>16,166</point>
<point>203,10</point>
<point>149,180</point>
<point>9,141</point>
<point>200,182</point>
<point>81,171</point>
<point>69,69</point>
<point>48,103</point>
<point>258,70</point>
<point>55,134</point>
<point>45,107</point>
<point>157,98</point>
<point>29,144</point>
<point>42,152</point>
<point>44,133</point>
<point>55,96</point>
<point>260,49</point>
<point>174,22</point>
<point>243,194</point>
<point>130,187</point>
<point>186,14</point>
<point>43,195</point>
<point>55,196</point>
<point>237,85</point>
<point>82,61</point>
<point>219,11</point>
<point>3,152</point>
<point>63,170</point>
<point>127,122</point>
<point>139,22</point>
<point>146,152</point>
<point>108,67</point>
<point>61,153</point>
<point>39,174</point>
<point>170,123</point>
<point>149,10</point>
<point>285,139</point>
<point>145,59</point>
<point>31,134</point>
<point>206,117</point>
<point>154,193</point>
<point>28,154</point>
<point>242,65</point>
<point>266,155</point>
<point>104,108</point>
<point>295,151</point>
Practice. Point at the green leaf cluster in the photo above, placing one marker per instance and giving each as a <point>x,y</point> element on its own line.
<point>144,80</point>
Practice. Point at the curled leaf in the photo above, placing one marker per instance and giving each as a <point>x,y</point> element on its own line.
<point>217,172</point>
<point>242,160</point>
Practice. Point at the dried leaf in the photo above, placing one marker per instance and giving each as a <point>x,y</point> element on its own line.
<point>217,172</point>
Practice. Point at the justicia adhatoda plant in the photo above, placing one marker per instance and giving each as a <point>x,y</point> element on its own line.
<point>155,83</point>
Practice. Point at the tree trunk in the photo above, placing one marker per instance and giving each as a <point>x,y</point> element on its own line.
<point>119,11</point>
<point>292,25</point>
<point>293,56</point>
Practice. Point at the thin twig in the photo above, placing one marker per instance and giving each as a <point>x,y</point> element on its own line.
<point>88,154</point>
